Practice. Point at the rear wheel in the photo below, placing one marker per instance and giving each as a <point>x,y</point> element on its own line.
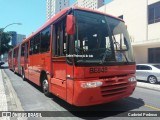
<point>152,79</point>
<point>45,86</point>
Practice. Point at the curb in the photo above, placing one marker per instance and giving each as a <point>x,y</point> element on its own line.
<point>11,93</point>
<point>12,98</point>
<point>148,87</point>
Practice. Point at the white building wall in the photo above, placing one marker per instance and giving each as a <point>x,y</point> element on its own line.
<point>92,4</point>
<point>134,14</point>
<point>55,6</point>
<point>142,51</point>
<point>48,8</point>
<point>152,1</point>
<point>154,32</point>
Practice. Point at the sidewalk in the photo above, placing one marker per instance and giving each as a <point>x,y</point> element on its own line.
<point>10,101</point>
<point>148,86</point>
<point>3,100</point>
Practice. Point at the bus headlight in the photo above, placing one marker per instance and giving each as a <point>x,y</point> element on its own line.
<point>132,79</point>
<point>91,84</point>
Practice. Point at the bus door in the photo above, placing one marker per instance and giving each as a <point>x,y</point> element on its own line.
<point>62,83</point>
<point>59,83</point>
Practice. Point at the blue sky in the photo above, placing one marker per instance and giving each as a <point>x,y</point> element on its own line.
<point>31,13</point>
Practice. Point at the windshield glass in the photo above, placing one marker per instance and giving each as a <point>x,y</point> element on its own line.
<point>101,39</point>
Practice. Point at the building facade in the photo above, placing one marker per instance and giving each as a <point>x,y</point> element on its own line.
<point>13,35</point>
<point>54,6</point>
<point>16,38</point>
<point>92,4</point>
<point>143,23</point>
<point>20,38</point>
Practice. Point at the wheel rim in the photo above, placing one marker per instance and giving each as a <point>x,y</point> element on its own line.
<point>152,79</point>
<point>45,86</point>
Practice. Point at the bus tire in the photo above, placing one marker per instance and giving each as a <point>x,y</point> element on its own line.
<point>23,74</point>
<point>45,86</point>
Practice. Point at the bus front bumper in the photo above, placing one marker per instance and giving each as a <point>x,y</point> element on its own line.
<point>103,94</point>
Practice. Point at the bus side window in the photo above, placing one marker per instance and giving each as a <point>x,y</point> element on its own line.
<point>36,44</point>
<point>26,50</point>
<point>60,39</point>
<point>31,46</point>
<point>45,40</point>
<point>22,49</point>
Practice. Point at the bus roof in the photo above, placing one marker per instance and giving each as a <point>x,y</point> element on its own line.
<point>60,14</point>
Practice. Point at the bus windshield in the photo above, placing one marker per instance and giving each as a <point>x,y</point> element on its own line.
<point>101,39</point>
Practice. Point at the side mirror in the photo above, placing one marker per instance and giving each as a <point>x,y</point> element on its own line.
<point>70,25</point>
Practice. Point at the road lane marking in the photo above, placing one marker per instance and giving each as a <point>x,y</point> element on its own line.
<point>152,107</point>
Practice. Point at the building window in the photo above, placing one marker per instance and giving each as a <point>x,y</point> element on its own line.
<point>152,55</point>
<point>154,13</point>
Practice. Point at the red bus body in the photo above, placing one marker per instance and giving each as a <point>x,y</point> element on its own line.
<point>65,80</point>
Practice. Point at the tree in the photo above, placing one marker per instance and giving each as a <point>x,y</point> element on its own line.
<point>5,39</point>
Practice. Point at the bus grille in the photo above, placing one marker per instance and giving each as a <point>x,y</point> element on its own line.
<point>114,86</point>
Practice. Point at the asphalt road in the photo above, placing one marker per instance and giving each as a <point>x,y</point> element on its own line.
<point>32,99</point>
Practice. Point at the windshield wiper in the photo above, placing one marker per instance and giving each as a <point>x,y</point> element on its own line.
<point>107,53</point>
<point>116,43</point>
<point>125,57</point>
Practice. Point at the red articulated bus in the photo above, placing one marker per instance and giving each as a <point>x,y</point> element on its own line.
<point>80,55</point>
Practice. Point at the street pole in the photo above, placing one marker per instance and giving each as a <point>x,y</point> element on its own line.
<point>1,32</point>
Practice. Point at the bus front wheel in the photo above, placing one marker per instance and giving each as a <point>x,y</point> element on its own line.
<point>45,86</point>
